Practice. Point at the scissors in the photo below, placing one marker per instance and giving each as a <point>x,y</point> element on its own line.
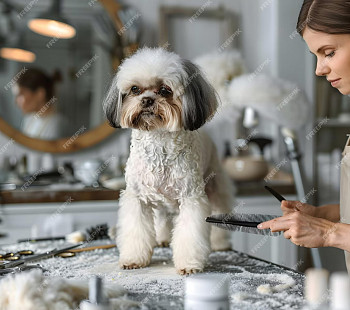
<point>6,271</point>
<point>31,258</point>
<point>15,256</point>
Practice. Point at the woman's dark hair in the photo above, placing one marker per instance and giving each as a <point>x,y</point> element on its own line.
<point>328,16</point>
<point>34,79</point>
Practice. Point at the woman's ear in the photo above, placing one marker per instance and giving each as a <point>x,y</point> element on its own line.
<point>112,104</point>
<point>199,99</point>
<point>40,94</point>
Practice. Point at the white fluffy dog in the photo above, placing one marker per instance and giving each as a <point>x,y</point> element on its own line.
<point>173,169</point>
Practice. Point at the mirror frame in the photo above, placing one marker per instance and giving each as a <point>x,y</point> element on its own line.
<point>83,140</point>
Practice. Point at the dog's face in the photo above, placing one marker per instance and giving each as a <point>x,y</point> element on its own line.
<point>149,105</point>
<point>156,89</point>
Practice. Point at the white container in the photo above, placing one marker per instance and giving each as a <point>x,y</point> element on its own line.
<point>207,292</point>
<point>316,288</point>
<point>48,162</point>
<point>340,291</point>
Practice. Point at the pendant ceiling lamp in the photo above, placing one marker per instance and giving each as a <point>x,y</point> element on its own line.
<point>17,54</point>
<point>52,24</point>
<point>15,48</point>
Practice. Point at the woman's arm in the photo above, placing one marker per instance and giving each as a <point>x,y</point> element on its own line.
<point>329,212</point>
<point>338,237</point>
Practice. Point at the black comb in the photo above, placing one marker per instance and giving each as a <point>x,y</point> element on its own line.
<point>242,222</point>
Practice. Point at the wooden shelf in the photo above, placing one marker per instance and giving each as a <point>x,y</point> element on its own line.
<point>40,196</point>
<point>333,123</point>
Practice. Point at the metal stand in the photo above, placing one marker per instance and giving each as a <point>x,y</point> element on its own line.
<point>295,158</point>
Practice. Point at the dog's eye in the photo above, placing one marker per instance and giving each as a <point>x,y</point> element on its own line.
<point>135,90</point>
<point>165,91</point>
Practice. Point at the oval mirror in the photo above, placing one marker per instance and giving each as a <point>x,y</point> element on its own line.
<point>54,104</point>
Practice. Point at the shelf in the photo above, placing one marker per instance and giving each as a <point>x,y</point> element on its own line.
<point>333,123</point>
<point>39,196</point>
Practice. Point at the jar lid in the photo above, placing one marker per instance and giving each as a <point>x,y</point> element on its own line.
<point>207,286</point>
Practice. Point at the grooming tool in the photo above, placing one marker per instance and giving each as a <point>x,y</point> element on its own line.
<point>242,222</point>
<point>7,271</point>
<point>15,256</point>
<point>93,233</point>
<point>10,257</point>
<point>97,299</point>
<point>37,257</point>
<point>106,246</point>
<point>41,239</point>
<point>277,195</point>
<point>66,254</point>
<point>71,253</point>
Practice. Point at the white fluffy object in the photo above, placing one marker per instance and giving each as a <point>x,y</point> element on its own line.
<point>276,99</point>
<point>32,291</point>
<point>221,67</point>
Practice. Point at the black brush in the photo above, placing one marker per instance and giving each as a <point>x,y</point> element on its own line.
<point>242,222</point>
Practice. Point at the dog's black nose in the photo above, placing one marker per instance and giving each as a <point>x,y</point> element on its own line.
<point>147,101</point>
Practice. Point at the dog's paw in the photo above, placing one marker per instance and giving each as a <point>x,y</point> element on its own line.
<point>188,271</point>
<point>130,266</point>
<point>134,262</point>
<point>163,244</point>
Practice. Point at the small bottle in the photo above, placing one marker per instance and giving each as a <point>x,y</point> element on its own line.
<point>316,289</point>
<point>22,166</point>
<point>227,152</point>
<point>96,301</point>
<point>207,292</point>
<point>340,291</point>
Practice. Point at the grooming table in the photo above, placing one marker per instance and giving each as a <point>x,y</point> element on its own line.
<point>160,287</point>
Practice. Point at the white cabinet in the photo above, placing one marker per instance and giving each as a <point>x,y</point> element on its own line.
<point>20,220</point>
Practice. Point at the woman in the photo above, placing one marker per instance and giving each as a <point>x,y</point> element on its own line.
<point>325,27</point>
<point>35,97</point>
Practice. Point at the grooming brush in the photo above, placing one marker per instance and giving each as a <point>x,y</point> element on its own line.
<point>242,222</point>
<point>93,233</point>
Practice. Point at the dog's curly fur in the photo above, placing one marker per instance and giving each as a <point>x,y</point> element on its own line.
<point>173,175</point>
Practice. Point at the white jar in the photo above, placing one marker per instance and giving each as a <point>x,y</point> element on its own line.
<point>340,291</point>
<point>207,292</point>
<point>316,289</point>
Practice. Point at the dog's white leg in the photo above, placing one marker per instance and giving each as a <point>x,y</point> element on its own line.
<point>135,232</point>
<point>190,242</point>
<point>163,225</point>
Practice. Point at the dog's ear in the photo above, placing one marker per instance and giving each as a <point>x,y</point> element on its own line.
<point>199,99</point>
<point>112,104</point>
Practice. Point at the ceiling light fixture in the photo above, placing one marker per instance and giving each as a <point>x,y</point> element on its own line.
<point>52,24</point>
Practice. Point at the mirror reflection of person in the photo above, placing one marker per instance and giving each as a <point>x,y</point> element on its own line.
<point>325,27</point>
<point>35,97</point>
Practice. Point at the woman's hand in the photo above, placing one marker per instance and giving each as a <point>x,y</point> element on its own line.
<point>302,229</point>
<point>289,206</point>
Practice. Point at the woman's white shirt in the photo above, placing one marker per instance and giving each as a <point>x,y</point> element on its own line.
<point>48,127</point>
